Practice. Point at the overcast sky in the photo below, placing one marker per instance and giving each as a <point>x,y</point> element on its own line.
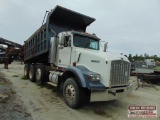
<point>129,26</point>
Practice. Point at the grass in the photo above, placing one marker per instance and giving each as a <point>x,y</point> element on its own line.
<point>15,76</point>
<point>11,92</point>
<point>156,68</point>
<point>24,78</point>
<point>2,83</point>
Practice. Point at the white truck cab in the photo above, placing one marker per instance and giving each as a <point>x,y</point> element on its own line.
<point>105,75</point>
<point>62,51</point>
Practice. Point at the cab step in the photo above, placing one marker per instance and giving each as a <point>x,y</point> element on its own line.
<point>53,84</point>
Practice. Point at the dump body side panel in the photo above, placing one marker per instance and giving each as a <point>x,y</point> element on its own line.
<point>36,45</point>
<point>36,48</point>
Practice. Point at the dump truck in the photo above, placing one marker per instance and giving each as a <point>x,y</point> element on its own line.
<point>150,63</point>
<point>62,54</point>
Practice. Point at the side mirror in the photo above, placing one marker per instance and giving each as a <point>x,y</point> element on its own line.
<point>61,39</point>
<point>105,47</point>
<point>66,41</point>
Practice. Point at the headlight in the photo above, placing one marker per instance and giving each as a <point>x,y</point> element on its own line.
<point>95,77</point>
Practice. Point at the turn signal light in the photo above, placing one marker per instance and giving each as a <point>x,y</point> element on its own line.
<point>74,63</point>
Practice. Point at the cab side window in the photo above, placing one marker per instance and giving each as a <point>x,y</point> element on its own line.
<point>67,41</point>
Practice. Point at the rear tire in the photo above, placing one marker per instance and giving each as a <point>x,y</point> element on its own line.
<point>73,94</point>
<point>40,74</point>
<point>32,70</point>
<point>26,70</point>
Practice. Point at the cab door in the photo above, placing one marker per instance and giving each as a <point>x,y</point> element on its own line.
<point>65,52</point>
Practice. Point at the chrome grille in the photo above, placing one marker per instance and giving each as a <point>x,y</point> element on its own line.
<point>120,71</point>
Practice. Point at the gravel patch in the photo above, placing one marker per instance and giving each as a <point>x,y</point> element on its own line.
<point>11,107</point>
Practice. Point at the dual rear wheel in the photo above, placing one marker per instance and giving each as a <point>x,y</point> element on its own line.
<point>74,95</point>
<point>35,73</point>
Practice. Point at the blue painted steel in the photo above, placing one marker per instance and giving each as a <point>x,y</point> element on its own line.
<point>82,74</point>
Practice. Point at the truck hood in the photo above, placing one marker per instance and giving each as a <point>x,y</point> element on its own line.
<point>101,62</point>
<point>99,55</point>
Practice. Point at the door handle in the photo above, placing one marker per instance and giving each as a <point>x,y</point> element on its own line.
<point>60,47</point>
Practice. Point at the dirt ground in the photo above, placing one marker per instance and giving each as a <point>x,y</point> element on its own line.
<point>40,103</point>
<point>11,106</point>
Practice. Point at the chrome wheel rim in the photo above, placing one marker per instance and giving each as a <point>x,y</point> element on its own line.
<point>30,74</point>
<point>25,71</point>
<point>38,74</point>
<point>70,93</point>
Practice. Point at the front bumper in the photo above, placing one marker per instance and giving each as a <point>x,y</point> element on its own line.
<point>110,94</point>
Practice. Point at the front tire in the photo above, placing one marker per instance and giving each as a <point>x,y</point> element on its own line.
<point>72,93</point>
<point>40,74</point>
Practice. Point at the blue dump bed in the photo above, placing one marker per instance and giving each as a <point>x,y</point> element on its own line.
<point>36,48</point>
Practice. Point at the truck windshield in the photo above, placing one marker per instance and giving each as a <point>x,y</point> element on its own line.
<point>85,42</point>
